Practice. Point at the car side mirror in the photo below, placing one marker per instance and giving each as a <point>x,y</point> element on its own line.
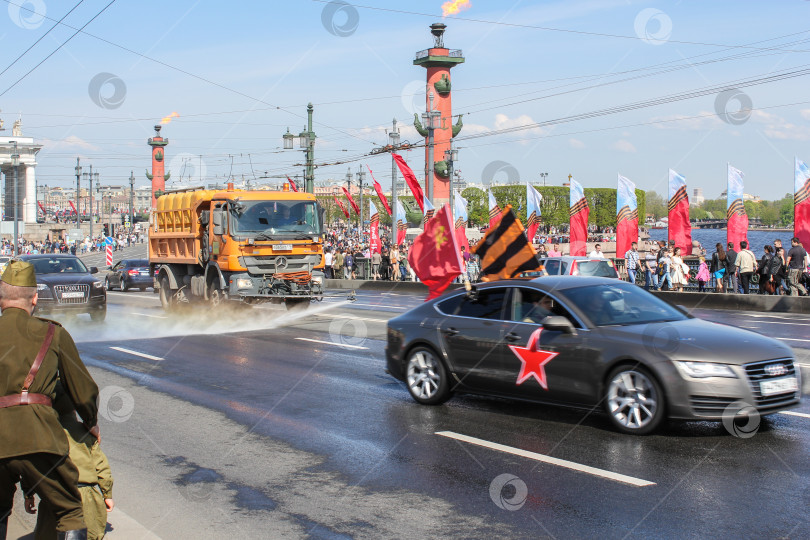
<point>556,323</point>
<point>217,219</point>
<point>93,270</point>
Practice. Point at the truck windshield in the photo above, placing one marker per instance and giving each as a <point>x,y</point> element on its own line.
<point>275,217</point>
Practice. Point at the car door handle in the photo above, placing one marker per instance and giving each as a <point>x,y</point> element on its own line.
<point>451,331</point>
<point>511,336</point>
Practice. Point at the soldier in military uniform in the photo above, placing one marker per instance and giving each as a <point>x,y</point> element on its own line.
<point>34,354</point>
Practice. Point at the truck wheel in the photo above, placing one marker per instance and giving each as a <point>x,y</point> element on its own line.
<point>215,294</point>
<point>167,299</point>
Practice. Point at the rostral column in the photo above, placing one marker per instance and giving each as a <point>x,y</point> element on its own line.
<point>157,177</point>
<point>438,60</point>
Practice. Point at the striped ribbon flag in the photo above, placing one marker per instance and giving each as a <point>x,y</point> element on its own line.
<point>504,250</point>
<point>429,211</point>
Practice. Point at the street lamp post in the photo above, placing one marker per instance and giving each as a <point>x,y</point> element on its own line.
<point>15,162</point>
<point>430,118</point>
<point>543,176</point>
<point>306,142</point>
<point>349,187</point>
<point>451,156</point>
<point>131,200</point>
<point>393,136</point>
<point>78,190</point>
<point>361,175</point>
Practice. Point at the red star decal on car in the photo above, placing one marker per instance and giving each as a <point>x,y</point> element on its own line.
<point>533,360</point>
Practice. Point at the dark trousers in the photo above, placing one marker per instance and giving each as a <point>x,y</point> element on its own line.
<point>54,478</point>
<point>745,281</point>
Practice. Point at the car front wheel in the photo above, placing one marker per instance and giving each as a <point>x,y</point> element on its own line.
<point>426,377</point>
<point>634,400</point>
<point>124,286</point>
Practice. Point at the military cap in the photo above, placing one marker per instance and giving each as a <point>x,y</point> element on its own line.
<point>20,274</point>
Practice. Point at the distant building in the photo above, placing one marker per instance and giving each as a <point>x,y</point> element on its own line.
<point>697,197</point>
<point>746,196</point>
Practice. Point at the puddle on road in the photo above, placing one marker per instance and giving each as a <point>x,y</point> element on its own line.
<point>133,324</point>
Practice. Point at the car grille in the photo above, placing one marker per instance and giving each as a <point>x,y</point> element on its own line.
<point>762,371</point>
<point>710,405</point>
<point>60,291</point>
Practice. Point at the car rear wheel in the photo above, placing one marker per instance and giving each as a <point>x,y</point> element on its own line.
<point>634,400</point>
<point>426,377</point>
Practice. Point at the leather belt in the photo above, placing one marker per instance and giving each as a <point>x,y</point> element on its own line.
<point>24,397</point>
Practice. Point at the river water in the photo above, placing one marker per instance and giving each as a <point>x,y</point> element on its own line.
<point>709,237</point>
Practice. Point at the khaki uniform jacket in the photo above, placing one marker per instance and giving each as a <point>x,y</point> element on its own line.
<point>28,429</point>
<point>86,454</point>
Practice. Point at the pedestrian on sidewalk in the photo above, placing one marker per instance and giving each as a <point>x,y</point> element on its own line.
<point>327,261</point>
<point>597,252</point>
<point>337,264</point>
<point>34,354</point>
<point>778,271</point>
<point>95,479</point>
<point>651,269</point>
<point>746,264</point>
<point>703,276</point>
<point>665,270</point>
<point>731,269</point>
<point>718,266</point>
<point>796,264</point>
<point>631,262</point>
<point>679,270</point>
<point>764,271</point>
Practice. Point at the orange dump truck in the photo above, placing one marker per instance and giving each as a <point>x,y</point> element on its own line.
<point>251,246</point>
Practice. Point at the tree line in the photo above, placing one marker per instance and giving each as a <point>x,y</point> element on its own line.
<point>772,213</point>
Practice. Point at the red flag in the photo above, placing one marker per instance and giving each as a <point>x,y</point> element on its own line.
<point>380,194</point>
<point>679,228</point>
<point>801,203</point>
<point>374,243</point>
<point>351,201</point>
<point>411,180</point>
<point>292,184</point>
<point>340,204</point>
<point>434,256</point>
<point>578,225</point>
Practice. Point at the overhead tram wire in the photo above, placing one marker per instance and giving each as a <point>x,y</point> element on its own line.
<point>41,38</point>
<point>59,47</point>
<point>179,70</point>
<point>550,29</point>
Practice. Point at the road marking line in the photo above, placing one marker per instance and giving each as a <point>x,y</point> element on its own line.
<point>548,459</point>
<point>136,353</point>
<point>803,365</point>
<point>332,343</point>
<point>339,316</point>
<point>791,413</point>
<point>153,316</point>
<point>794,339</point>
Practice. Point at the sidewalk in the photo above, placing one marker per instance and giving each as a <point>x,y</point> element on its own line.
<point>119,524</point>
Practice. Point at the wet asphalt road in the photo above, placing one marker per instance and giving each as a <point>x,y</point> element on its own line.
<point>315,381</point>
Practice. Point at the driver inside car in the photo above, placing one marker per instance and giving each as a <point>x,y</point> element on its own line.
<point>539,309</point>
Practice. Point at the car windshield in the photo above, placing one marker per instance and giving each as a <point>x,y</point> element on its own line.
<point>621,304</point>
<point>596,269</point>
<point>60,265</point>
<point>275,217</point>
<point>135,263</point>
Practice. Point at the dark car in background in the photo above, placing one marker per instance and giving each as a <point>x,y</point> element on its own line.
<point>591,343</point>
<point>129,274</point>
<point>66,285</point>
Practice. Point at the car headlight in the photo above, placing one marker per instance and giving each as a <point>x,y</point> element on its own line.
<point>42,287</point>
<point>98,285</point>
<point>317,279</point>
<point>244,283</point>
<point>700,370</point>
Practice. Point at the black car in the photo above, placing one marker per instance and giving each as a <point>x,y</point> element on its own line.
<point>129,274</point>
<point>589,342</point>
<point>65,284</point>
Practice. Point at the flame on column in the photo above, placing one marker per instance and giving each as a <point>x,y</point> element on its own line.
<point>452,8</point>
<point>167,119</point>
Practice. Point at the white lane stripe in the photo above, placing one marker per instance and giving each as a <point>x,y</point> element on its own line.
<point>136,353</point>
<point>339,316</point>
<point>397,308</point>
<point>153,316</point>
<point>803,365</point>
<point>346,345</point>
<point>791,413</point>
<point>548,459</point>
<point>793,339</point>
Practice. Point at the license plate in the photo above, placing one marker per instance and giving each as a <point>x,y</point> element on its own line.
<point>146,273</point>
<point>282,247</point>
<point>778,386</point>
<point>76,294</point>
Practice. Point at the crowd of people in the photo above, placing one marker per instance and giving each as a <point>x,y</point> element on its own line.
<point>776,272</point>
<point>73,247</point>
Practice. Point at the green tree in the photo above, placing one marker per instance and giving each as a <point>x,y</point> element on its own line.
<point>656,205</point>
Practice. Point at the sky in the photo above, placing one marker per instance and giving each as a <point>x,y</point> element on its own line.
<point>239,74</point>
